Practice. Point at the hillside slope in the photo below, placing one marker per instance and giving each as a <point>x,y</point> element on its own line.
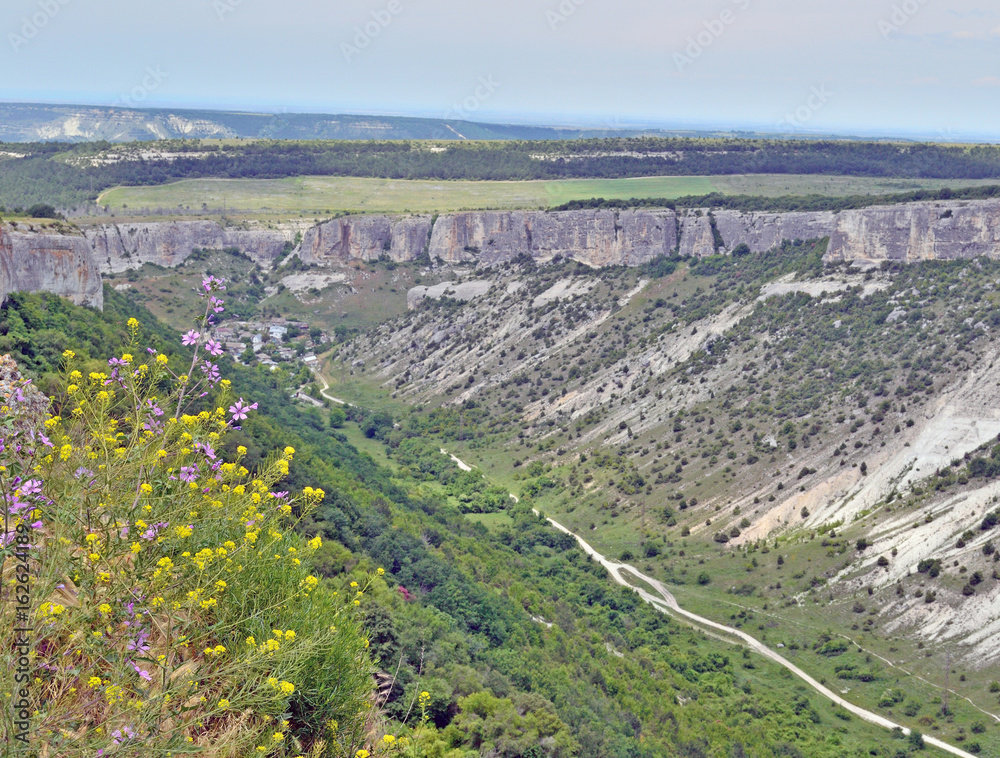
<point>845,417</point>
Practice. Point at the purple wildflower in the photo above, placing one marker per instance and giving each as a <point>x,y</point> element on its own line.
<point>206,449</point>
<point>31,487</point>
<point>213,284</point>
<point>150,534</point>
<point>122,735</point>
<point>214,348</point>
<point>239,410</point>
<point>211,372</point>
<point>191,338</point>
<point>189,473</point>
<point>139,644</point>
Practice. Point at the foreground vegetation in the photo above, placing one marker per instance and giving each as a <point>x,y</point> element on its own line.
<point>502,640</point>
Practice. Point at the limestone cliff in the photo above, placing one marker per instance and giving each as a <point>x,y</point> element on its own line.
<point>121,247</point>
<point>366,238</point>
<point>765,231</point>
<point>595,237</point>
<point>70,264</point>
<point>921,231</point>
<point>44,261</point>
<point>917,231</point>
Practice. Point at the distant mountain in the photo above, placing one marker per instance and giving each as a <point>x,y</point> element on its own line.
<point>29,122</point>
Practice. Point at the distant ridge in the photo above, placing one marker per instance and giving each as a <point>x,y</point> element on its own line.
<point>33,122</point>
<point>56,122</point>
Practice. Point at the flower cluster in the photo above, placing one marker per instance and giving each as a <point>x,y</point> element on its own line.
<point>153,567</point>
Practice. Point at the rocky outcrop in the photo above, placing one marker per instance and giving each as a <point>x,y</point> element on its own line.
<point>921,231</point>
<point>943,230</point>
<point>765,231</point>
<point>597,238</point>
<point>121,247</point>
<point>42,261</point>
<point>366,238</point>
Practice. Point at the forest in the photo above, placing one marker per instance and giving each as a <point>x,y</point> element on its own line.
<point>66,174</point>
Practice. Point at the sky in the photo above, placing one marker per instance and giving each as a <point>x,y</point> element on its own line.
<point>899,67</point>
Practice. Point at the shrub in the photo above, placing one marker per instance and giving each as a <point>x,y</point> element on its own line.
<point>42,210</point>
<point>704,578</point>
<point>832,648</point>
<point>175,608</point>
<point>929,566</point>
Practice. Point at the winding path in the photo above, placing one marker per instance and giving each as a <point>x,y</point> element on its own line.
<point>326,386</point>
<point>665,602</point>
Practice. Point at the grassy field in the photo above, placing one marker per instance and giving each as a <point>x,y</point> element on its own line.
<point>322,195</point>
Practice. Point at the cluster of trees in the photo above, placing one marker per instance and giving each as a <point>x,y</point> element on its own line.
<point>785,203</point>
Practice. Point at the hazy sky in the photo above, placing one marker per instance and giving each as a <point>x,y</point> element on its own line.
<point>901,66</point>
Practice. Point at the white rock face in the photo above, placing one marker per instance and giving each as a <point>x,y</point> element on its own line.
<point>465,292</point>
<point>943,230</point>
<point>594,237</point>
<point>366,238</point>
<point>919,231</point>
<point>121,247</point>
<point>62,264</point>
